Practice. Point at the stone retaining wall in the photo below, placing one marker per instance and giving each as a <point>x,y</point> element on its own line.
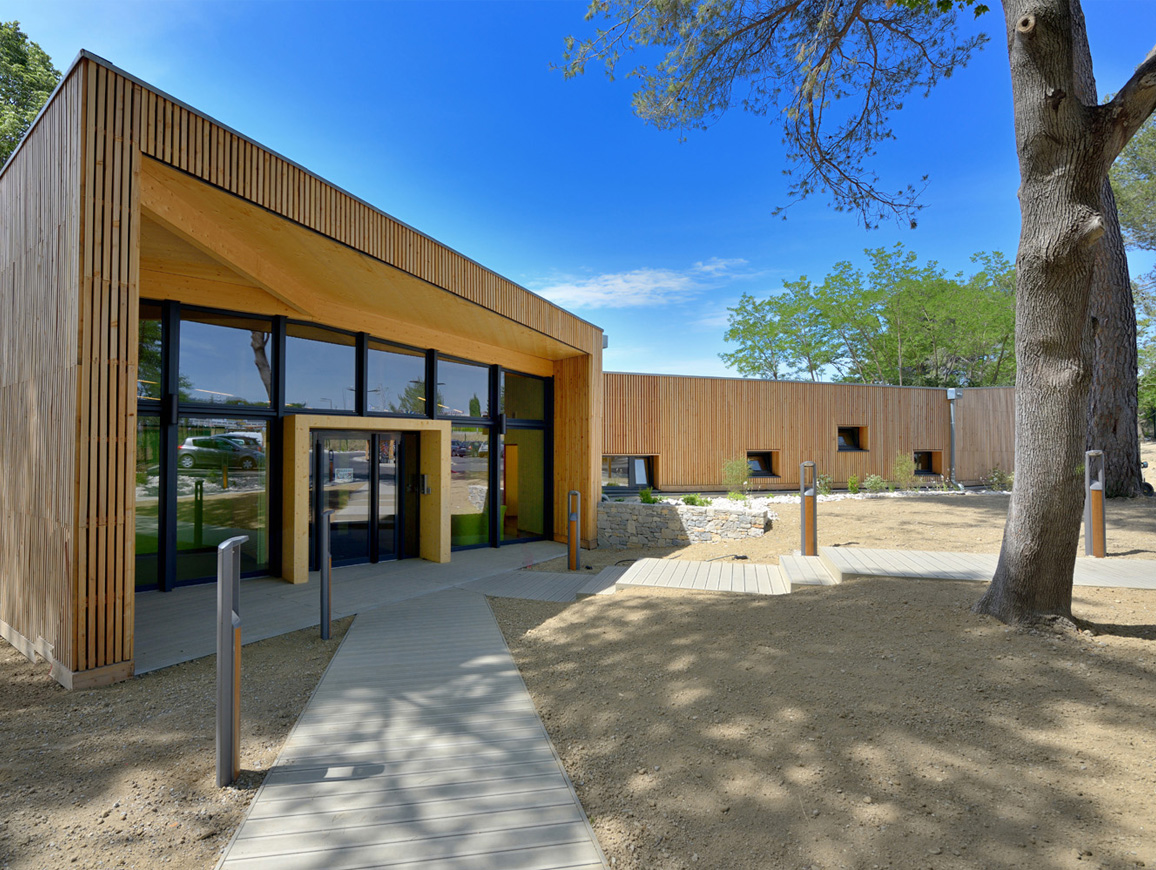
<point>631,524</point>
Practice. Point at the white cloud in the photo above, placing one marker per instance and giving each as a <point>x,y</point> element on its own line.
<point>717,265</point>
<point>637,288</point>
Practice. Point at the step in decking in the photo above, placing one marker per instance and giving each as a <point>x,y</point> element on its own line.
<point>717,576</point>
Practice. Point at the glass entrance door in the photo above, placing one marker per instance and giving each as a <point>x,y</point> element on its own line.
<point>356,475</point>
<point>346,490</point>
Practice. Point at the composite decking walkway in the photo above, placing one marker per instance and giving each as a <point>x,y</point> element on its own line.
<point>836,564</point>
<point>719,576</point>
<point>419,749</point>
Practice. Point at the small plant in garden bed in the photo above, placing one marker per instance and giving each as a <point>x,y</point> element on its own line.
<point>874,483</point>
<point>735,477</point>
<point>646,496</point>
<point>824,484</point>
<point>852,483</point>
<point>1000,480</point>
<point>903,470</point>
<point>695,500</point>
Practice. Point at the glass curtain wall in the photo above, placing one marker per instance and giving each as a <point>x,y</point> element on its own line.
<point>470,486</point>
<point>395,380</point>
<point>222,492</point>
<point>320,369</point>
<point>524,475</point>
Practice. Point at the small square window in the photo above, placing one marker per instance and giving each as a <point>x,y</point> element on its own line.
<point>928,462</point>
<point>763,463</point>
<point>852,437</point>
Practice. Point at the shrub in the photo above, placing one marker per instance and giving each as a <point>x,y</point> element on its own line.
<point>695,500</point>
<point>823,484</point>
<point>646,496</point>
<point>903,470</point>
<point>874,483</point>
<point>852,483</point>
<point>1000,480</point>
<point>735,474</point>
<point>737,496</point>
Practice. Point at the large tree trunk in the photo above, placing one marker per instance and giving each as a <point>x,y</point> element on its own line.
<point>1112,411</point>
<point>1065,146</point>
<point>1060,205</point>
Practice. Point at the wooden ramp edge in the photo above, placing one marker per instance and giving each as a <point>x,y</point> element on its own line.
<point>717,576</point>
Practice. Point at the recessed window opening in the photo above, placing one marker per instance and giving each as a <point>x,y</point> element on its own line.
<point>852,437</point>
<point>627,472</point>
<point>763,463</point>
<point>928,462</point>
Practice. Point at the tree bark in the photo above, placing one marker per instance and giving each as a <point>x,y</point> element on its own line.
<point>1112,406</point>
<point>1065,146</point>
<point>1060,205</point>
<point>1113,421</point>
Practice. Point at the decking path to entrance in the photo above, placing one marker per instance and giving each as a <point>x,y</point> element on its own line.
<point>420,748</point>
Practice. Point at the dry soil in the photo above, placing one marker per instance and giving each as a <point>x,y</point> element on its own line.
<point>876,724</point>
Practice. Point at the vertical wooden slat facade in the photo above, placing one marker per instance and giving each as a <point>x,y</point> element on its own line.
<point>692,425</point>
<point>39,324</point>
<point>70,285</point>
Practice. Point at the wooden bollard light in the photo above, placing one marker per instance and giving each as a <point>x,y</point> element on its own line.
<point>573,530</point>
<point>808,497</point>
<point>1095,527</point>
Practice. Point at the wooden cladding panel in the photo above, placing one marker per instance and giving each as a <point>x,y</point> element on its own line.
<point>578,405</point>
<point>39,325</point>
<point>175,135</point>
<point>693,425</point>
<point>106,401</point>
<point>985,433</point>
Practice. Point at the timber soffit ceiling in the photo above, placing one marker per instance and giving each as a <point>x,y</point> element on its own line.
<point>381,285</point>
<point>307,275</point>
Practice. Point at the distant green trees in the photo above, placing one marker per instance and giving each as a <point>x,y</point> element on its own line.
<point>899,322</point>
<point>27,79</point>
<point>1134,183</point>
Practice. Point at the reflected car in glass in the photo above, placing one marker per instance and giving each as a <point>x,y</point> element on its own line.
<point>217,452</point>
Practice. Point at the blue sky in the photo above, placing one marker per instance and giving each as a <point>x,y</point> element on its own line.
<point>448,116</point>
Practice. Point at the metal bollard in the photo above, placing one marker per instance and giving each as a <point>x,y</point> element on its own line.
<point>573,532</point>
<point>807,496</point>
<point>1095,527</point>
<point>229,660</point>
<point>326,561</point>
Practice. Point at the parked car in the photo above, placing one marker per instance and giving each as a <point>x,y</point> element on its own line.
<point>216,451</point>
<point>250,440</point>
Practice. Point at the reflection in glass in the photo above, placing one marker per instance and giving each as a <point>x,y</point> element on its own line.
<point>388,454</point>
<point>395,379</point>
<point>469,486</point>
<point>148,372</point>
<point>222,492</point>
<point>463,389</point>
<point>320,368</point>
<point>346,492</point>
<point>225,359</point>
<point>523,397</point>
<point>523,480</point>
<point>148,483</point>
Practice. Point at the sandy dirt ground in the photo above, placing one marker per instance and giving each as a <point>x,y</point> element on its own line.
<point>876,724</point>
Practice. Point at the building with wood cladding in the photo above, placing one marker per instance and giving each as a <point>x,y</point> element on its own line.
<point>675,433</point>
<point>201,339</point>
